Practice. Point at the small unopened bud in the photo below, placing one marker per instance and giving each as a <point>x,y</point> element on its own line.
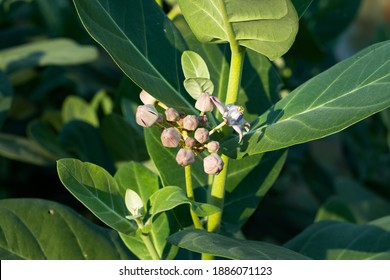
<point>202,120</point>
<point>146,115</point>
<point>170,137</point>
<point>171,114</point>
<point>185,157</point>
<point>213,146</point>
<point>204,103</point>
<point>201,135</point>
<point>190,122</point>
<point>212,164</point>
<point>190,142</point>
<point>146,98</point>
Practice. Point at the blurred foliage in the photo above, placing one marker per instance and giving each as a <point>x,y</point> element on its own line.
<point>85,111</point>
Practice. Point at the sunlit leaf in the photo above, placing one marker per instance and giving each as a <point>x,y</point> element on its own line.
<point>337,98</point>
<point>35,229</point>
<point>267,27</point>
<point>144,182</point>
<point>60,51</point>
<point>97,190</point>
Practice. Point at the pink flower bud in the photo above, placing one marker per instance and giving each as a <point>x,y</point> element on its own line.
<point>204,103</point>
<point>170,137</point>
<point>185,157</point>
<point>213,146</point>
<point>212,164</point>
<point>190,122</point>
<point>171,114</point>
<point>146,98</point>
<point>201,135</point>
<point>190,142</point>
<point>146,115</point>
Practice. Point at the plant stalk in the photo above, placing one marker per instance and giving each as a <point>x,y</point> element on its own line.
<point>190,195</point>
<point>148,241</point>
<point>235,73</point>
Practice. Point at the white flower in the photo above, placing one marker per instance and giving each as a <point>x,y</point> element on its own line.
<point>233,116</point>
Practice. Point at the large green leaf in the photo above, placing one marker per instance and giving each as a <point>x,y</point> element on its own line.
<point>337,98</point>
<point>58,51</point>
<point>97,190</point>
<point>35,229</point>
<point>215,244</point>
<point>142,41</point>
<point>332,240</point>
<point>249,179</point>
<point>267,27</point>
<point>6,93</point>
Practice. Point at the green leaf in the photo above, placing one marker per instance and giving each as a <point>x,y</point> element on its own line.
<point>122,141</point>
<point>222,246</point>
<point>43,134</point>
<point>142,41</point>
<point>76,108</point>
<point>83,141</point>
<point>267,27</point>
<point>365,204</point>
<point>6,93</point>
<point>331,240</point>
<point>135,176</point>
<point>249,179</point>
<point>194,66</point>
<point>97,190</point>
<point>213,55</point>
<point>58,51</point>
<point>102,100</point>
<point>24,149</point>
<point>35,229</point>
<point>335,209</point>
<point>170,197</point>
<point>332,101</point>
<point>197,86</point>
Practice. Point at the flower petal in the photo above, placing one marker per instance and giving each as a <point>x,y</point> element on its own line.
<point>238,129</point>
<point>221,108</point>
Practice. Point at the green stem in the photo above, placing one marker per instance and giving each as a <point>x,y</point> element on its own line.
<point>235,73</point>
<point>218,196</point>
<point>148,241</point>
<point>190,195</point>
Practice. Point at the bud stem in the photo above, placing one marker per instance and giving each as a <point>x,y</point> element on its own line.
<point>217,127</point>
<point>190,195</point>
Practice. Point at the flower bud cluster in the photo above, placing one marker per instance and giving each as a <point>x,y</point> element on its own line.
<point>189,133</point>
